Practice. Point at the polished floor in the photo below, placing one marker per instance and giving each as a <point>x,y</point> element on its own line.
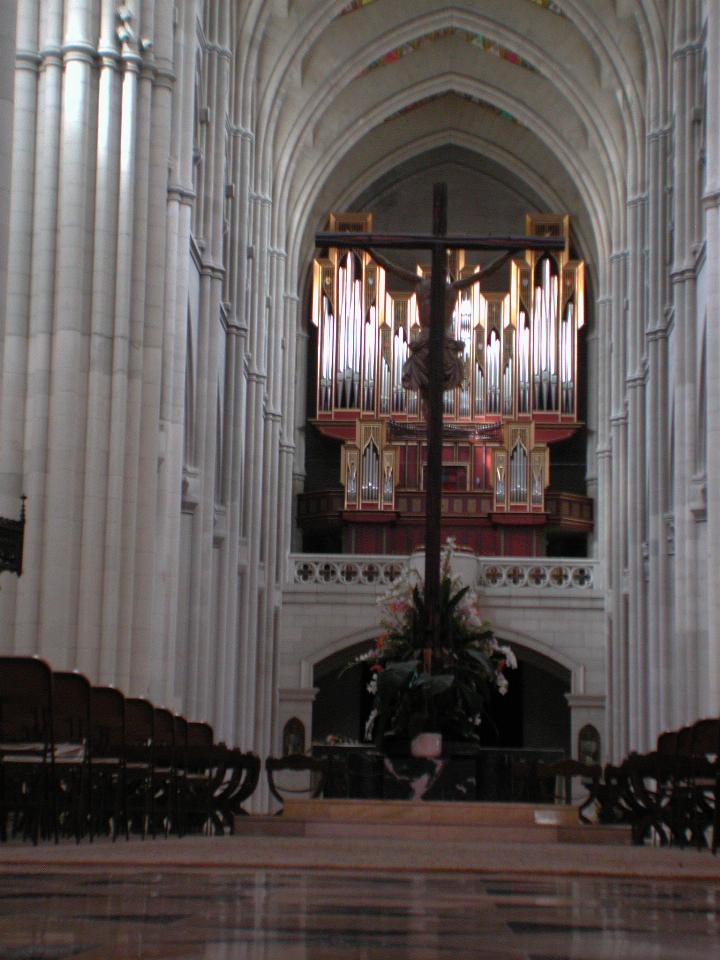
<point>299,914</point>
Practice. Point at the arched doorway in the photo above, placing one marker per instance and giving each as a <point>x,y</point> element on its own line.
<point>534,714</point>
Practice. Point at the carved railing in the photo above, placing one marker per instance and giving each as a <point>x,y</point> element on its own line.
<point>515,573</point>
<point>345,570</point>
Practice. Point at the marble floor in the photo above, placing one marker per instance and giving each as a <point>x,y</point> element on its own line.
<point>298,914</point>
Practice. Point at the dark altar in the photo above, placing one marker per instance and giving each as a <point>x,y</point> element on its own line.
<point>465,772</point>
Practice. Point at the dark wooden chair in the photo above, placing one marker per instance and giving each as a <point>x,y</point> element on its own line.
<point>163,810</point>
<point>27,755</point>
<point>71,724</point>
<point>318,770</point>
<point>107,761</point>
<point>197,805</point>
<point>138,766</point>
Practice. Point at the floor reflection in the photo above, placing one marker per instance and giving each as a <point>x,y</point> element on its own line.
<point>305,915</point>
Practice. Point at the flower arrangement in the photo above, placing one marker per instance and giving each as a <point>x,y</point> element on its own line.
<point>452,697</point>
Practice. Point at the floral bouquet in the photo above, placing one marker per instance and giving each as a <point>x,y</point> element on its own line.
<point>452,696</point>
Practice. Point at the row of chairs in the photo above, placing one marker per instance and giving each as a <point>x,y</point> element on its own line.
<point>81,760</point>
<point>670,795</point>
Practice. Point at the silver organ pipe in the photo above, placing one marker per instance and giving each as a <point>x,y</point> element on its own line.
<point>493,373</point>
<point>413,320</point>
<point>400,355</point>
<point>370,472</point>
<point>465,334</point>
<point>553,341</point>
<point>349,335</point>
<point>567,358</point>
<point>507,389</point>
<point>545,311</point>
<point>523,363</point>
<point>371,338</point>
<point>518,474</point>
<point>327,354</point>
<point>355,344</point>
<point>342,333</point>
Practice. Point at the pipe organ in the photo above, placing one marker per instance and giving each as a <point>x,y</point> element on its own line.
<point>518,395</point>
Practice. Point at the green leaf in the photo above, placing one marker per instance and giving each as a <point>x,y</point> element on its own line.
<point>434,684</point>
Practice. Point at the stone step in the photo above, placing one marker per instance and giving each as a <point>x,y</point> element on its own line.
<point>452,822</point>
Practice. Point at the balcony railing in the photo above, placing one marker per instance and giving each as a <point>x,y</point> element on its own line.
<point>516,573</point>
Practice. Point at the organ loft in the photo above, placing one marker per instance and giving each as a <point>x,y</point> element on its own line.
<point>512,460</point>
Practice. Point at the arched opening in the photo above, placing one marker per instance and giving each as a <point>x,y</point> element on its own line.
<point>533,715</point>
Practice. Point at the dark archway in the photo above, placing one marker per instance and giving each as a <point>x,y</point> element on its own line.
<point>534,714</point>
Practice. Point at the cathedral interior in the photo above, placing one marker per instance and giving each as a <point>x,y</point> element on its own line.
<point>204,408</point>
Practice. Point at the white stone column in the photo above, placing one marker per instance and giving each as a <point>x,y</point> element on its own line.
<point>658,680</point>
<point>19,59</point>
<point>712,300</point>
<point>619,659</point>
<point>90,636</point>
<point>8,14</point>
<point>635,495</point>
<point>685,187</point>
<point>68,353</point>
<point>41,126</point>
<point>179,199</point>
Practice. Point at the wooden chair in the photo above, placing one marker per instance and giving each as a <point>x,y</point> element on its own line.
<point>163,810</point>
<point>236,777</point>
<point>107,760</point>
<point>197,811</point>
<point>71,724</point>
<point>318,770</point>
<point>27,756</point>
<point>138,766</point>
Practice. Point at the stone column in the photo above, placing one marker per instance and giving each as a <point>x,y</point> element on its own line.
<point>19,64</point>
<point>684,279</point>
<point>658,680</point>
<point>711,201</point>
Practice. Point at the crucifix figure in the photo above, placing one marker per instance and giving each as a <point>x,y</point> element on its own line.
<point>436,299</point>
<point>416,371</point>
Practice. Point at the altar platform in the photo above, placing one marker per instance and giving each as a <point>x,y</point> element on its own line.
<point>523,823</point>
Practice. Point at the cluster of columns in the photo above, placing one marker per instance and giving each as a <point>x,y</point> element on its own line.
<point>157,524</point>
<point>658,403</point>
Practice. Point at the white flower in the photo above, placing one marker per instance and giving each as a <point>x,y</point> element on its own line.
<point>502,683</point>
<point>370,723</point>
<point>510,658</point>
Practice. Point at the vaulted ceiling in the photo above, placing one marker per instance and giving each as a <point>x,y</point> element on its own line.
<point>548,102</point>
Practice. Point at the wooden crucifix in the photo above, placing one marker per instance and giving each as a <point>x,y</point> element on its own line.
<point>438,243</point>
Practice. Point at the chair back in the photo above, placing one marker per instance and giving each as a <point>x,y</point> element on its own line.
<point>180,734</point>
<point>706,738</point>
<point>667,743</point>
<point>199,734</point>
<point>684,742</point>
<point>139,717</point>
<point>71,707</point>
<point>316,769</point>
<point>107,731</point>
<point>25,702</point>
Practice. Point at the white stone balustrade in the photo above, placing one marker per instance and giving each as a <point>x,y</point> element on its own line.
<point>519,573</point>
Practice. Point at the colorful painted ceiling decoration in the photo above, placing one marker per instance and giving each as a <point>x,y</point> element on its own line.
<point>545,4</point>
<point>355,5</point>
<point>491,108</point>
<point>476,39</point>
<point>550,5</point>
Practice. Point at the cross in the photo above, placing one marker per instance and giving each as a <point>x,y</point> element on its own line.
<point>438,243</point>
